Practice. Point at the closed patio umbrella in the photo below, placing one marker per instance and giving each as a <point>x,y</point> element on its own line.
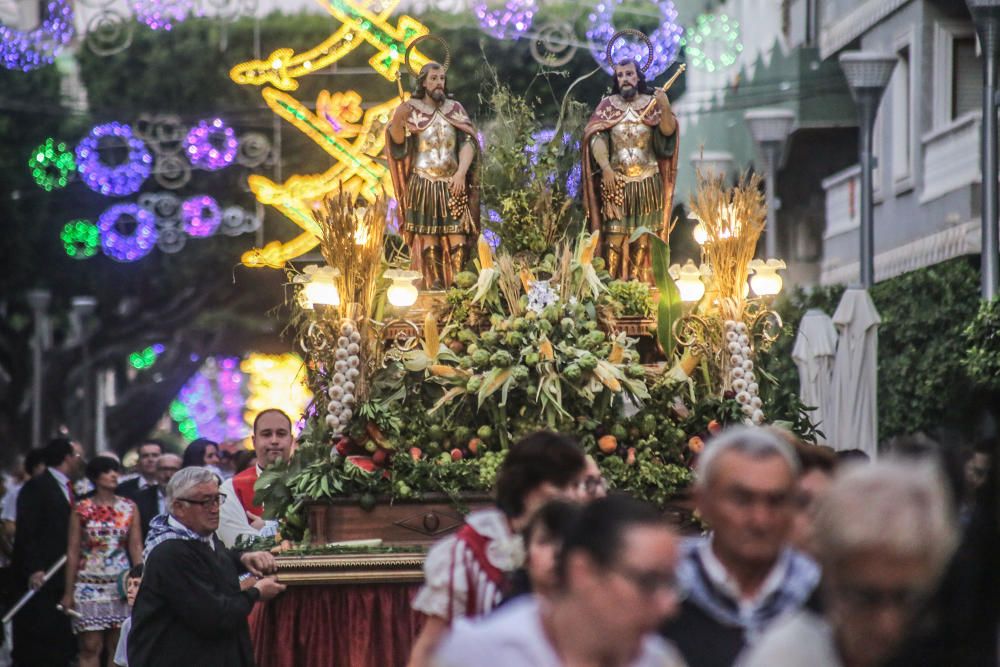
<point>813,353</point>
<point>853,419</point>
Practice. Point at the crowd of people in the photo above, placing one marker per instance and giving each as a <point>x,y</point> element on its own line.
<point>802,558</point>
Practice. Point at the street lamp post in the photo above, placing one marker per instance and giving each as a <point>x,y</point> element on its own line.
<point>38,300</point>
<point>986,16</point>
<point>83,308</point>
<point>716,162</point>
<point>867,76</point>
<point>769,129</point>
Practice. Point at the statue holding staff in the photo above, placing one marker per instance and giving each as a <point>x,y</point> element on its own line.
<point>630,165</point>
<point>432,150</point>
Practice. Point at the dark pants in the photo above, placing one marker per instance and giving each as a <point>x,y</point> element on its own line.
<point>43,636</point>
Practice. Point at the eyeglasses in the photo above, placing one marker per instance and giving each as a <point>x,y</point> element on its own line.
<point>214,501</point>
<point>649,582</point>
<point>864,598</point>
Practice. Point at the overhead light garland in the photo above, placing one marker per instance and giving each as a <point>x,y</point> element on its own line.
<point>80,238</point>
<point>145,358</point>
<point>29,50</point>
<point>210,404</point>
<point>120,244</point>
<point>211,145</point>
<point>52,165</point>
<point>201,215</point>
<point>162,14</point>
<point>509,22</point>
<point>713,42</point>
<point>665,39</point>
<point>113,180</point>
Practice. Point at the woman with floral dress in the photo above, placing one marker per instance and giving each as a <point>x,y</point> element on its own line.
<point>105,539</point>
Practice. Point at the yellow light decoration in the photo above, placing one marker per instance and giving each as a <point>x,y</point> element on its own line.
<point>354,145</point>
<point>401,293</point>
<point>360,25</point>
<point>275,381</point>
<point>765,280</point>
<point>335,121</point>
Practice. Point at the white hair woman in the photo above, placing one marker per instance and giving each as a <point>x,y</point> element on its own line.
<point>884,533</point>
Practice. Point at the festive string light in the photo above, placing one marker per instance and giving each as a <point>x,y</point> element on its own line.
<point>713,42</point>
<point>51,165</point>
<point>161,14</point>
<point>665,39</point>
<point>145,358</point>
<point>120,244</point>
<point>211,145</point>
<point>510,22</point>
<point>80,238</point>
<point>363,21</point>
<point>200,215</point>
<point>28,50</point>
<point>117,180</point>
<point>275,381</point>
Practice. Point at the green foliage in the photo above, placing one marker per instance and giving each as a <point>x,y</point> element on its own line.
<point>629,298</point>
<point>982,354</point>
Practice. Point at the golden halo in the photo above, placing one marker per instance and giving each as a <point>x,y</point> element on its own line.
<point>635,33</point>
<point>439,40</point>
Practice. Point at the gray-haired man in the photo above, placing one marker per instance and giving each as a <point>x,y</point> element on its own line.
<point>743,575</point>
<point>190,609</point>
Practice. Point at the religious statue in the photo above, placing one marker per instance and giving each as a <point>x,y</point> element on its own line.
<point>629,166</point>
<point>432,150</point>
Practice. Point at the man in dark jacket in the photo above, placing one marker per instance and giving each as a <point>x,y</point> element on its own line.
<point>190,609</point>
<point>149,454</point>
<point>42,635</point>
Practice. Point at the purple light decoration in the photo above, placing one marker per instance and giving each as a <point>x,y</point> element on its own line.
<point>665,39</point>
<point>201,215</point>
<point>31,49</point>
<point>117,180</point>
<point>211,145</point>
<point>123,246</point>
<point>214,400</point>
<point>161,14</point>
<point>510,22</point>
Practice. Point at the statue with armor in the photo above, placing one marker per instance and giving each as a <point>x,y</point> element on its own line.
<point>629,166</point>
<point>432,151</point>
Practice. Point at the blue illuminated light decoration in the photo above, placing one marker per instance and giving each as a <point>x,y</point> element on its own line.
<point>201,215</point>
<point>211,403</point>
<point>162,14</point>
<point>211,145</point>
<point>28,50</point>
<point>665,39</point>
<point>127,246</point>
<point>117,180</point>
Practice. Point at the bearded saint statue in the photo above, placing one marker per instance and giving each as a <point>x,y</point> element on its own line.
<point>629,166</point>
<point>432,150</point>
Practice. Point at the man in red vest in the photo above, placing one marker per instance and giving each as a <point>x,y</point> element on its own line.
<point>272,441</point>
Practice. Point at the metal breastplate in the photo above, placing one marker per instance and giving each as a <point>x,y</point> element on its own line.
<point>632,147</point>
<point>436,150</point>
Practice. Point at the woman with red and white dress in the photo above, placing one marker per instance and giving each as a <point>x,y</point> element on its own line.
<point>105,540</point>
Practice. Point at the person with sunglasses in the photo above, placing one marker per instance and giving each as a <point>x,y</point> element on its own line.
<point>190,609</point>
<point>615,585</point>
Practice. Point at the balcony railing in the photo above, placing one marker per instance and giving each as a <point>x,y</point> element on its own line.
<point>843,201</point>
<point>951,157</point>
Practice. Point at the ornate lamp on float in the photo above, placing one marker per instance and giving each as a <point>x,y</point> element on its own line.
<point>402,293</point>
<point>725,325</point>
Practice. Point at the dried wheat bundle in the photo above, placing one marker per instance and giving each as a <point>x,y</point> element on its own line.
<point>509,281</point>
<point>734,219</point>
<point>352,235</point>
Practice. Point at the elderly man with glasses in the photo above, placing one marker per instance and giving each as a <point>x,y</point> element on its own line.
<point>190,609</point>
